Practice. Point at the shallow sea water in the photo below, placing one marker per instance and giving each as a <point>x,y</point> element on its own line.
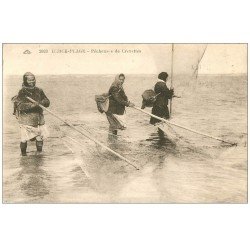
<point>194,169</point>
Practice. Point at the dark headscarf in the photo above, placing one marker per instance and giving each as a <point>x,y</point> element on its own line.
<point>25,76</point>
<point>163,76</point>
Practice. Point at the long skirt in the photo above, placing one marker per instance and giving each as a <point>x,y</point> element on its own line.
<point>30,132</point>
<point>116,122</point>
<point>161,112</point>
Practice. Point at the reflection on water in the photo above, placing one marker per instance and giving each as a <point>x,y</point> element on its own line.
<point>33,177</point>
<point>159,140</point>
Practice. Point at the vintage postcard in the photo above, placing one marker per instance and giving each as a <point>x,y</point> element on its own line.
<point>125,123</point>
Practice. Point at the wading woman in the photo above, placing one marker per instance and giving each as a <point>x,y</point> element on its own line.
<point>30,115</point>
<point>160,106</point>
<point>117,103</point>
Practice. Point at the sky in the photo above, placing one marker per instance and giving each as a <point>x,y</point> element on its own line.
<point>225,58</point>
<point>52,59</point>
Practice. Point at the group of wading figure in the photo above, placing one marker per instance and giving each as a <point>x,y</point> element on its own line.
<point>31,119</point>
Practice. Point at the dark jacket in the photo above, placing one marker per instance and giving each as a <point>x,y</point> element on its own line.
<point>160,107</point>
<point>27,112</point>
<point>117,100</point>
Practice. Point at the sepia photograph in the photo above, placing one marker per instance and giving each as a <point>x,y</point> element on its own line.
<point>125,123</point>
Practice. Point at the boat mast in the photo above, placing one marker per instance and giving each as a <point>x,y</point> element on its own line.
<point>172,69</point>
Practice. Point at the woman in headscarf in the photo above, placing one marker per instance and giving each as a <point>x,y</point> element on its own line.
<point>117,103</point>
<point>30,115</point>
<point>160,106</point>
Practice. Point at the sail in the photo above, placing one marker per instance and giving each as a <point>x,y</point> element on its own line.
<point>186,61</point>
